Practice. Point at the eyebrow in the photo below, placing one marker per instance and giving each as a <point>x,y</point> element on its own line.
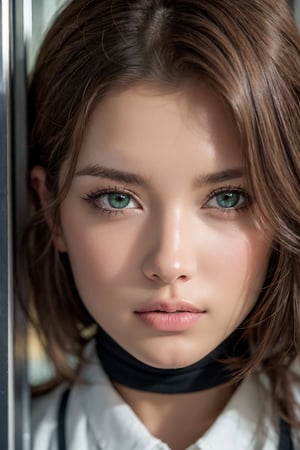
<point>113,174</point>
<point>219,177</point>
<point>132,178</point>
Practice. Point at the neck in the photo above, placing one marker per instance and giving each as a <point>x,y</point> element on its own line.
<point>207,373</point>
<point>176,405</point>
<point>179,420</point>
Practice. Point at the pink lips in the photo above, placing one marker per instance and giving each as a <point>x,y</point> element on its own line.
<point>170,315</point>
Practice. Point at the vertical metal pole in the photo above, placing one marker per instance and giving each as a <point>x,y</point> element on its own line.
<point>296,5</point>
<point>6,296</point>
<point>20,20</point>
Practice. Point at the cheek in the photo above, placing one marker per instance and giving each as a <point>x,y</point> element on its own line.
<point>99,254</point>
<point>237,263</point>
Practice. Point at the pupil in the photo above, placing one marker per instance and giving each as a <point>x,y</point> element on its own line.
<point>228,199</point>
<point>119,200</point>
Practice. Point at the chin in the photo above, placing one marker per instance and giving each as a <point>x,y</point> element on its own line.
<point>169,361</point>
<point>169,352</point>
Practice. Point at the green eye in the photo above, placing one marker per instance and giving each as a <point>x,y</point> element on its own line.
<point>108,200</point>
<point>228,199</point>
<point>118,200</point>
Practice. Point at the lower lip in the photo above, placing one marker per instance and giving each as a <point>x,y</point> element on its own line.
<point>164,321</point>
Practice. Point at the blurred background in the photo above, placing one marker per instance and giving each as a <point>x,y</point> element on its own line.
<point>23,24</point>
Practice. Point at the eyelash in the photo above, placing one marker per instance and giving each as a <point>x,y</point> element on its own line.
<point>94,196</point>
<point>93,199</point>
<point>233,210</point>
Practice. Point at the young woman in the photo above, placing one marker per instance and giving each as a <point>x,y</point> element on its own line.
<point>165,170</point>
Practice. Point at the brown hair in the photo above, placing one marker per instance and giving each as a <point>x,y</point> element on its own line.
<point>248,52</point>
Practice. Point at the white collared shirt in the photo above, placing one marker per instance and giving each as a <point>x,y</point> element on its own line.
<point>99,419</point>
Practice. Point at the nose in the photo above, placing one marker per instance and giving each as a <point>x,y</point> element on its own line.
<point>170,254</point>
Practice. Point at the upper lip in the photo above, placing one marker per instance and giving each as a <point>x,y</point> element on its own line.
<point>170,306</point>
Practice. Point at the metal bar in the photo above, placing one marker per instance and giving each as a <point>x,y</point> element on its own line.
<point>20,23</point>
<point>296,5</point>
<point>6,296</point>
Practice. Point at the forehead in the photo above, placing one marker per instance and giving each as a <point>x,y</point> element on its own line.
<point>147,122</point>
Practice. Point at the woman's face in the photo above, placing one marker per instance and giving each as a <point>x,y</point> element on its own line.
<point>158,224</point>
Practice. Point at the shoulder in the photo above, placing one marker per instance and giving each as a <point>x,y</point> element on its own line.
<point>44,414</point>
<point>45,408</point>
<point>295,398</point>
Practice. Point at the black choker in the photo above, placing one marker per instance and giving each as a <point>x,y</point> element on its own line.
<point>207,373</point>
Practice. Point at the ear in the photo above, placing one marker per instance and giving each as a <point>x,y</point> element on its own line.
<point>38,182</point>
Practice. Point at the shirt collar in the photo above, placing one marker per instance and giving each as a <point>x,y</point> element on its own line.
<point>112,421</point>
<point>247,417</point>
<point>245,423</point>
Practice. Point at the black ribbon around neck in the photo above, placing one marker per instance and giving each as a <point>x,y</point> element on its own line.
<point>125,369</point>
<point>207,373</point>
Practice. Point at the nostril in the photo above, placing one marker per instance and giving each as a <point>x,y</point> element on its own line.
<point>182,277</point>
<point>154,275</point>
<point>168,278</point>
